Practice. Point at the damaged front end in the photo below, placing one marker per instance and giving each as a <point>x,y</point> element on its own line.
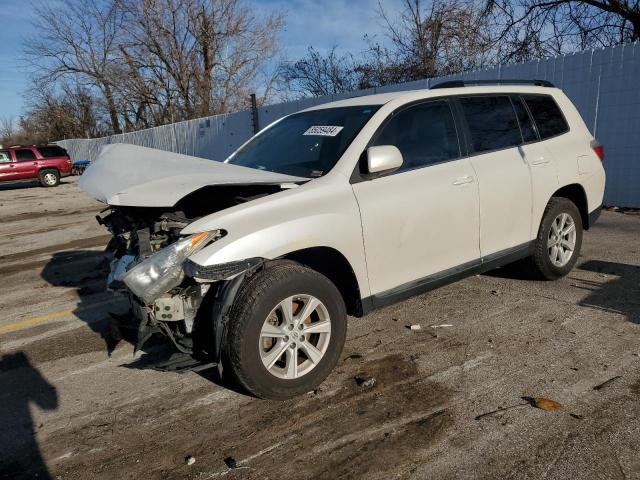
<point>152,196</point>
<point>167,292</point>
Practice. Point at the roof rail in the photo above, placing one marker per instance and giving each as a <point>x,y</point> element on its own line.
<point>32,145</point>
<point>466,83</point>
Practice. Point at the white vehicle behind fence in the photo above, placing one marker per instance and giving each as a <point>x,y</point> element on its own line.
<point>255,263</point>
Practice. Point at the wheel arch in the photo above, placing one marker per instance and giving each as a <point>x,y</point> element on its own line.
<point>576,193</point>
<point>335,266</point>
<point>44,169</point>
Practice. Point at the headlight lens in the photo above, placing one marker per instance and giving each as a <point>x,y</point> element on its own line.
<point>163,271</point>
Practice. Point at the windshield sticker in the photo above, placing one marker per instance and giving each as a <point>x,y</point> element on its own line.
<point>323,130</point>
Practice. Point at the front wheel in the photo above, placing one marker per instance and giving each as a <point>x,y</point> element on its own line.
<point>286,331</point>
<point>559,239</point>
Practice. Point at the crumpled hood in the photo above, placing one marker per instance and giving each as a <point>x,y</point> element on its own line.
<point>145,177</point>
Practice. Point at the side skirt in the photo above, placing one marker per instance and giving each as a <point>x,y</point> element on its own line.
<point>446,277</point>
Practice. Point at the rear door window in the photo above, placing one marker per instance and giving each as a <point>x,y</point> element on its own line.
<point>24,154</point>
<point>52,151</point>
<point>5,157</point>
<point>492,122</point>
<point>425,134</point>
<point>547,115</point>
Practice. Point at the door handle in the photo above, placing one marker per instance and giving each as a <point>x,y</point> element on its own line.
<point>463,180</point>
<point>540,161</point>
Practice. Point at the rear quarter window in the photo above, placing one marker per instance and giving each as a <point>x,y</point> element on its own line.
<point>547,115</point>
<point>51,152</point>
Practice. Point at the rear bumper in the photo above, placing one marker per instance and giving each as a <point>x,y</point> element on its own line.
<point>593,216</point>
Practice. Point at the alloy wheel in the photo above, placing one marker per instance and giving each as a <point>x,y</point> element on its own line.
<point>295,336</point>
<point>562,239</point>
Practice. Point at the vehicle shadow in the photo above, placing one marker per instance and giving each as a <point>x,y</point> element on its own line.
<point>26,184</point>
<point>618,295</point>
<point>19,185</point>
<point>21,384</point>
<point>158,352</point>
<point>86,271</point>
<point>514,271</point>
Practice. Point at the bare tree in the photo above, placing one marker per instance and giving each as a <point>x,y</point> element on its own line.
<point>528,29</point>
<point>150,62</point>
<point>7,128</point>
<point>195,57</point>
<point>68,114</point>
<point>78,42</point>
<point>428,39</point>
<point>317,74</point>
<point>436,38</point>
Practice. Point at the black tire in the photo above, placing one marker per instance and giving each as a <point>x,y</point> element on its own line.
<point>260,294</point>
<point>49,177</point>
<point>540,262</point>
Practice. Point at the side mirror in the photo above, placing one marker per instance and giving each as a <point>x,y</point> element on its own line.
<point>383,159</point>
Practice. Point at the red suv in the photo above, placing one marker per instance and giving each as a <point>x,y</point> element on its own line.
<point>47,163</point>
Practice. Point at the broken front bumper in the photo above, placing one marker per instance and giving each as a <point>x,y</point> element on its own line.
<point>174,312</point>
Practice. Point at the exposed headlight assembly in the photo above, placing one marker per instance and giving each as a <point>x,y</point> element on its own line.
<point>163,270</point>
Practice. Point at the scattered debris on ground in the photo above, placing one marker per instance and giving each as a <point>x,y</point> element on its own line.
<point>365,381</point>
<point>542,403</point>
<point>627,210</point>
<point>536,402</point>
<point>606,383</point>
<point>231,462</point>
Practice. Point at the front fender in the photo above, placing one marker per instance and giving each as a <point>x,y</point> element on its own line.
<point>321,213</point>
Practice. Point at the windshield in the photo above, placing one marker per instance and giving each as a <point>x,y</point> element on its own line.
<point>306,144</point>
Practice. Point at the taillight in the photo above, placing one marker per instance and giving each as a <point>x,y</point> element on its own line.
<point>599,149</point>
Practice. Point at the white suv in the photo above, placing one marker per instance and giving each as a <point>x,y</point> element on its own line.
<point>255,263</point>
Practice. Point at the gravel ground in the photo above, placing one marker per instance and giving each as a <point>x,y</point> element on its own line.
<point>76,404</point>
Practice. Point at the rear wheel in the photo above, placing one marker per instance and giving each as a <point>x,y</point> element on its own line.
<point>559,239</point>
<point>286,331</point>
<point>49,178</point>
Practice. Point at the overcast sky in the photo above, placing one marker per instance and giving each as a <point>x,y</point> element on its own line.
<point>320,23</point>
